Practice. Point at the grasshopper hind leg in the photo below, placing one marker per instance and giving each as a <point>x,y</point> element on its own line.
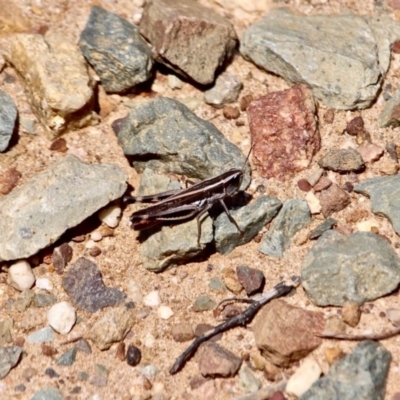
<point>230,216</point>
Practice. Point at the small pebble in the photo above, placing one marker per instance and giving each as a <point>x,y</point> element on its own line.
<point>165,312</point>
<point>245,102</point>
<point>308,372</point>
<point>68,358</point>
<point>61,317</point>
<point>370,152</point>
<point>47,350</point>
<point>29,373</point>
<point>48,393</point>
<point>304,185</point>
<point>59,145</point>
<point>120,353</point>
<point>90,244</point>
<point>62,255</point>
<point>133,355</point>
<point>110,216</point>
<point>134,291</point>
<point>355,126</point>
<point>174,82</point>
<point>83,346</point>
<point>152,299</point>
<point>367,226</point>
<point>96,236</point>
<point>351,314</point>
<point>83,376</point>
<point>182,332</point>
<point>203,303</point>
<point>8,180</point>
<point>231,112</point>
<point>313,203</point>
<point>322,184</point>
<point>41,336</point>
<point>20,388</point>
<point>44,300</point>
<point>21,276</point>
<point>329,116</point>
<point>333,354</point>
<point>44,283</point>
<point>393,315</point>
<point>95,251</point>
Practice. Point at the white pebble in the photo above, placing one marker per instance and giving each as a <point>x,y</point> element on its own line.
<point>134,291</point>
<point>96,236</point>
<point>149,341</point>
<point>110,216</point>
<point>313,203</point>
<point>367,226</point>
<point>164,312</point>
<point>44,283</point>
<point>20,275</point>
<point>174,82</point>
<point>61,317</point>
<point>90,244</point>
<point>308,372</point>
<point>152,299</point>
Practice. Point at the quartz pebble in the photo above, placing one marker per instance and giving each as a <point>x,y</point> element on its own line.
<point>165,312</point>
<point>96,236</point>
<point>44,283</point>
<point>313,203</point>
<point>110,216</point>
<point>21,276</point>
<point>61,317</point>
<point>304,377</point>
<point>152,299</point>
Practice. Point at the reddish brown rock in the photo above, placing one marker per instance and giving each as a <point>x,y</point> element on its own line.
<point>355,126</point>
<point>201,329</point>
<point>304,185</point>
<point>59,145</point>
<point>182,34</point>
<point>322,184</point>
<point>215,361</point>
<point>370,152</point>
<point>62,255</point>
<point>182,332</point>
<point>231,112</point>
<point>333,199</point>
<point>351,313</point>
<point>284,333</point>
<point>284,132</point>
<point>251,279</point>
<point>245,101</point>
<point>329,116</point>
<point>8,180</point>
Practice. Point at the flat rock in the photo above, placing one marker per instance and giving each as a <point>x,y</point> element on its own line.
<point>67,358</point>
<point>384,194</point>
<point>84,285</point>
<point>250,219</point>
<point>216,361</point>
<point>115,49</point>
<point>111,327</point>
<point>9,357</point>
<point>293,216</point>
<point>251,279</point>
<point>63,195</point>
<point>341,57</point>
<point>390,115</point>
<point>226,90</point>
<point>6,327</point>
<point>164,135</point>
<point>285,334</point>
<point>361,374</point>
<point>48,393</point>
<point>284,132</point>
<point>333,199</point>
<point>57,80</point>
<point>359,267</point>
<point>182,34</point>
<point>342,160</point>
<point>308,372</point>
<point>42,335</point>
<point>322,227</point>
<point>8,116</point>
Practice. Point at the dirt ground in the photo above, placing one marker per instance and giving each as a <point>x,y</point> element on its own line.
<point>120,262</point>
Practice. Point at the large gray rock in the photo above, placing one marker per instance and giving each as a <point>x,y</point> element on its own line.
<point>36,214</point>
<point>341,57</point>
<point>115,49</point>
<point>164,135</point>
<point>384,193</point>
<point>361,374</point>
<point>360,267</point>
<point>8,115</point>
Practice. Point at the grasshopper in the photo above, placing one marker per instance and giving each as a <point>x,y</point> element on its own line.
<point>184,204</point>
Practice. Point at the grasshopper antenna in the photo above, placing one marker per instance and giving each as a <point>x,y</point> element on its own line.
<point>247,158</point>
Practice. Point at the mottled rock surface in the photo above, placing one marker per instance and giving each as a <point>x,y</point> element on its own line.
<point>182,34</point>
<point>284,131</point>
<point>342,160</point>
<point>68,191</point>
<point>8,116</point>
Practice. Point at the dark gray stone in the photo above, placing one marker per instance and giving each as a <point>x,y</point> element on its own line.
<point>84,285</point>
<point>340,57</point>
<point>321,228</point>
<point>250,219</point>
<point>226,90</point>
<point>48,393</point>
<point>384,193</point>
<point>9,357</point>
<point>203,303</point>
<point>42,335</point>
<point>44,300</point>
<point>293,216</point>
<point>361,374</point>
<point>164,135</point>
<point>358,268</point>
<point>133,355</point>
<point>8,116</point>
<point>115,49</point>
<point>36,214</point>
<point>342,160</point>
<point>67,358</point>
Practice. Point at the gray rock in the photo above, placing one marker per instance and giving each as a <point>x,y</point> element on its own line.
<point>62,255</point>
<point>23,301</point>
<point>67,358</point>
<point>36,214</point>
<point>359,375</point>
<point>191,39</point>
<point>8,116</point>
<point>251,279</point>
<point>226,90</point>
<point>111,327</point>
<point>84,285</point>
<point>48,393</point>
<point>6,326</point>
<point>342,160</point>
<point>293,216</point>
<point>247,381</point>
<point>217,285</point>
<point>342,57</point>
<point>203,303</point>
<point>384,194</point>
<point>321,228</point>
<point>152,183</point>
<point>174,245</point>
<point>164,135</point>
<point>250,219</point>
<point>358,268</point>
<point>44,299</point>
<point>390,116</point>
<point>41,336</point>
<point>115,49</point>
<point>9,357</point>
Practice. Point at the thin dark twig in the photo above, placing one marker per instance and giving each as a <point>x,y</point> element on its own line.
<point>241,319</point>
<point>367,336</point>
